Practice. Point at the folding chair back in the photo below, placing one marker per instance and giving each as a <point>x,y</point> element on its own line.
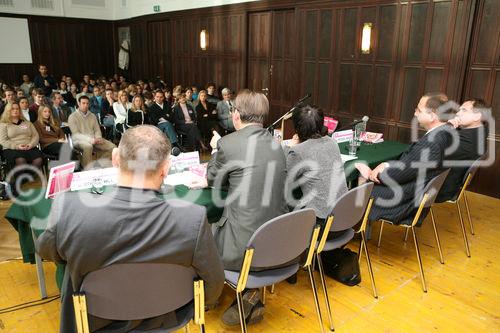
<point>137,291</point>
<point>348,210</point>
<point>282,239</point>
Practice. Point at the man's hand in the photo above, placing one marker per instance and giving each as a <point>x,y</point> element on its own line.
<point>46,83</point>
<point>294,141</point>
<point>215,139</point>
<point>98,141</point>
<point>376,172</point>
<point>455,122</point>
<point>364,170</point>
<point>22,147</point>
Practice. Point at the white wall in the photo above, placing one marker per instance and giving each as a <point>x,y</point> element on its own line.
<point>136,8</point>
<point>108,9</point>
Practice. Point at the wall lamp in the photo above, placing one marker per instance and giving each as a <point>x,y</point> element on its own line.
<point>366,38</point>
<point>203,39</point>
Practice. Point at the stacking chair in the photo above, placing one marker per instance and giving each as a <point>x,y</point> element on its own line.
<point>462,194</point>
<point>347,211</point>
<point>425,199</point>
<point>139,291</point>
<point>276,243</point>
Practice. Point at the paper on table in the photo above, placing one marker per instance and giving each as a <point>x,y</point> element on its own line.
<point>346,158</point>
<point>181,178</point>
<point>83,180</point>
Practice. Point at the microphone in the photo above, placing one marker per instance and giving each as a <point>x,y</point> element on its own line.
<point>354,123</point>
<point>303,99</point>
<point>176,151</point>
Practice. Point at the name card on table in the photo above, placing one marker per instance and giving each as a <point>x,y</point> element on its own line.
<point>85,179</point>
<point>371,137</point>
<point>185,160</point>
<point>343,136</point>
<point>60,179</point>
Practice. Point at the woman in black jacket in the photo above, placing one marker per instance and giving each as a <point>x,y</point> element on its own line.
<point>184,118</point>
<point>206,114</point>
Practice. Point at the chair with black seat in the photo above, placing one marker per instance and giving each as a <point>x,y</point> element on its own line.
<point>425,201</point>
<point>139,291</point>
<point>462,194</point>
<point>273,251</point>
<point>346,213</point>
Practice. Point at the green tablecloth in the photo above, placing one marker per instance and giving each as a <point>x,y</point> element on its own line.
<point>372,154</point>
<point>35,213</point>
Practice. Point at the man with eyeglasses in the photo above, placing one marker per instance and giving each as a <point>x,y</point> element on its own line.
<point>472,133</point>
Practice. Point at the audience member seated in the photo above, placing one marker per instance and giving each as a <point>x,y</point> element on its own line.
<point>224,109</point>
<point>137,114</point>
<point>10,97</point>
<point>241,163</point>
<point>19,93</point>
<point>184,119</point>
<point>51,136</point>
<point>26,85</point>
<point>189,98</point>
<point>70,97</point>
<point>19,139</point>
<point>472,134</point>
<point>399,182</point>
<point>108,114</point>
<point>211,95</point>
<point>314,165</point>
<point>38,100</point>
<point>159,115</point>
<point>28,114</point>
<point>96,103</point>
<point>84,92</point>
<point>86,135</point>
<point>196,93</point>
<point>60,112</point>
<point>133,225</point>
<point>206,115</point>
<point>45,81</point>
<point>120,108</point>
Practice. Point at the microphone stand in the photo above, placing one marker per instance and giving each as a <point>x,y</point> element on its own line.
<point>271,127</point>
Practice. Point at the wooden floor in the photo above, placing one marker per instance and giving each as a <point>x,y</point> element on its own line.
<point>464,293</point>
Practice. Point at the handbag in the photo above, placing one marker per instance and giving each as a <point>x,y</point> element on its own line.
<point>342,265</point>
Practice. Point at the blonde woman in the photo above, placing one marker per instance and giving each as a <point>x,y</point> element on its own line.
<point>137,114</point>
<point>19,138</point>
<point>50,134</point>
<point>120,109</point>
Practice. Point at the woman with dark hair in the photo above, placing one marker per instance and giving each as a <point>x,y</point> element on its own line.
<point>184,119</point>
<point>313,164</point>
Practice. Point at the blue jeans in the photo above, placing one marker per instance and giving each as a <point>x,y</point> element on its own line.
<point>169,130</point>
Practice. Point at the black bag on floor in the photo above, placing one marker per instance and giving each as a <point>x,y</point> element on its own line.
<point>342,265</point>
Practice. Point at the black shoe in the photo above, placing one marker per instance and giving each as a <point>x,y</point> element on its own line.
<point>231,316</point>
<point>292,279</point>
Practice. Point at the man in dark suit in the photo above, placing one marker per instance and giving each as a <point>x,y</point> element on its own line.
<point>471,136</point>
<point>130,224</point>
<point>38,100</point>
<point>398,183</point>
<point>159,116</point>
<point>45,81</point>
<point>60,111</point>
<point>250,164</point>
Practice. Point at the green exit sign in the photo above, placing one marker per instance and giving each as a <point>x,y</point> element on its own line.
<point>156,8</point>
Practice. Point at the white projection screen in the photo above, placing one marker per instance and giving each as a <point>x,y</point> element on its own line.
<point>15,39</point>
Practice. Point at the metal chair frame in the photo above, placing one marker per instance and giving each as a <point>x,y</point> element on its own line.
<point>245,271</point>
<point>362,247</point>
<point>81,314</point>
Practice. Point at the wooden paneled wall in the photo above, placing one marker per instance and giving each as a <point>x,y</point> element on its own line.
<point>66,46</point>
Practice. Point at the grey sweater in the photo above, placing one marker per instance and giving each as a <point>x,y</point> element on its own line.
<point>316,167</point>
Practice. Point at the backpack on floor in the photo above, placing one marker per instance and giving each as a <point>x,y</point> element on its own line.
<point>342,265</point>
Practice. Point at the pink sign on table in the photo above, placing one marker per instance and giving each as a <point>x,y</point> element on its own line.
<point>330,123</point>
<point>60,178</point>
